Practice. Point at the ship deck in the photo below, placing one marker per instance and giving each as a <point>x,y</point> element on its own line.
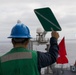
<point>65,72</point>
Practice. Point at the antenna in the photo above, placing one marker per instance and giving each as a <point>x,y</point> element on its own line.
<point>40,38</point>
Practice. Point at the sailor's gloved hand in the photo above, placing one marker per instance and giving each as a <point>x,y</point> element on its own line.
<point>55,34</point>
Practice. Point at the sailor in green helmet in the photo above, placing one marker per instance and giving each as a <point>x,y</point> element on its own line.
<point>20,60</point>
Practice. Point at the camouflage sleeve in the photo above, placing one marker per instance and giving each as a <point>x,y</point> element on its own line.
<point>48,58</point>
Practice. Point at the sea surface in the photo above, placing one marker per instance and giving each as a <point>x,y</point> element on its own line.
<point>5,46</point>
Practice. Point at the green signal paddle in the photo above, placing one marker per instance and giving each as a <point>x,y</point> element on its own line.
<point>47,19</point>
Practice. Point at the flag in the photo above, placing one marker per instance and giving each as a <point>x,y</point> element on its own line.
<point>62,59</point>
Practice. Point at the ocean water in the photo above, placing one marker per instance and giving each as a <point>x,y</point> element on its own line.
<point>5,46</point>
<point>71,50</point>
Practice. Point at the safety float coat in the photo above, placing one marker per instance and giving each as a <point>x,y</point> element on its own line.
<point>19,61</point>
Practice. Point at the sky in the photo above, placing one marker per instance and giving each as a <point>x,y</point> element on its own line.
<point>13,10</point>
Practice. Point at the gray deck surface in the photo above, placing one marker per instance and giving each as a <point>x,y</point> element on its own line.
<point>65,72</point>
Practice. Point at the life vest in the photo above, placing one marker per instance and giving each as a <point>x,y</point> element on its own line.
<point>19,61</point>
